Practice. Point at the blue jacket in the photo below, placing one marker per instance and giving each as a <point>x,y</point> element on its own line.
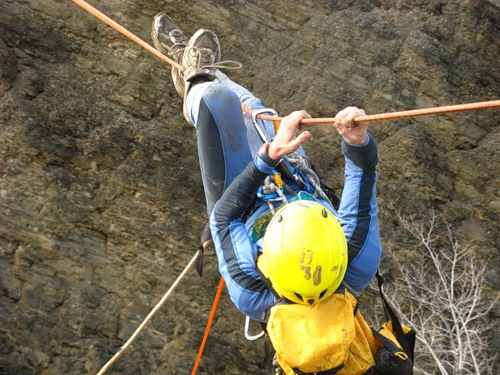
<point>357,213</point>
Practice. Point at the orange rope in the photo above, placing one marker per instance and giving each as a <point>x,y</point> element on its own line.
<point>125,32</point>
<point>311,121</point>
<point>412,113</point>
<point>209,325</point>
<point>394,115</point>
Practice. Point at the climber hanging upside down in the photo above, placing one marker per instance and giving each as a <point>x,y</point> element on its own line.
<point>297,245</point>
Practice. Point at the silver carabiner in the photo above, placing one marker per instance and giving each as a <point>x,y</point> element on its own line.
<point>247,335</point>
<point>263,134</point>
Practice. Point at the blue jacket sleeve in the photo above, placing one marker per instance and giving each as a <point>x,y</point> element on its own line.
<point>236,253</point>
<point>358,213</point>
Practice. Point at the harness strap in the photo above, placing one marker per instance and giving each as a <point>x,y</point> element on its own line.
<point>268,284</point>
<point>391,315</point>
<point>205,241</point>
<point>333,371</point>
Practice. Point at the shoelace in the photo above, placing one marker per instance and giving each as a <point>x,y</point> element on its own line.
<point>176,51</point>
<point>205,60</point>
<point>177,48</point>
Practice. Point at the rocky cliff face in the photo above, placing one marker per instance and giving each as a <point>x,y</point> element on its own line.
<point>101,202</point>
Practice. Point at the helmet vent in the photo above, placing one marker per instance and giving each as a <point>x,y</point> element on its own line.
<point>322,294</point>
<point>324,213</point>
<point>299,296</point>
<point>279,218</point>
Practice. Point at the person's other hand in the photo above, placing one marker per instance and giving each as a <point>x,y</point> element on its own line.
<point>285,141</point>
<point>354,133</point>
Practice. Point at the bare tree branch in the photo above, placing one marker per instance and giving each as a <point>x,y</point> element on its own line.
<point>442,298</point>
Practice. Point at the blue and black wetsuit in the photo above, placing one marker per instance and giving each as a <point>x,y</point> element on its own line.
<point>232,173</point>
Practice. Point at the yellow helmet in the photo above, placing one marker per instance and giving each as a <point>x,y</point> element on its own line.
<point>305,252</point>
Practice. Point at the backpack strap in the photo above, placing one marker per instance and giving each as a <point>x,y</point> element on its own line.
<point>333,371</point>
<point>205,241</point>
<point>391,315</point>
<point>269,284</point>
<point>334,199</point>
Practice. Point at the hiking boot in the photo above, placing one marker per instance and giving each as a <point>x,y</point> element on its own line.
<point>169,40</point>
<point>199,61</point>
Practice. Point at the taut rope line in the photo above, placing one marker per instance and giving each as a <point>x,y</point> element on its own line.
<point>311,121</point>
<point>148,318</point>
<point>209,325</point>
<point>89,8</point>
<point>396,115</point>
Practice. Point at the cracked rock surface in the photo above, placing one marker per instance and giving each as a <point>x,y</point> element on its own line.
<point>101,201</point>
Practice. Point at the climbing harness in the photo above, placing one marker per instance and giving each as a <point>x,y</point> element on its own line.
<point>293,166</point>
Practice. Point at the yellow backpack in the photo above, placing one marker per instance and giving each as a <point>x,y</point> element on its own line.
<point>332,337</point>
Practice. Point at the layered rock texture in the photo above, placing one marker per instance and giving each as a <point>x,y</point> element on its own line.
<point>101,201</point>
